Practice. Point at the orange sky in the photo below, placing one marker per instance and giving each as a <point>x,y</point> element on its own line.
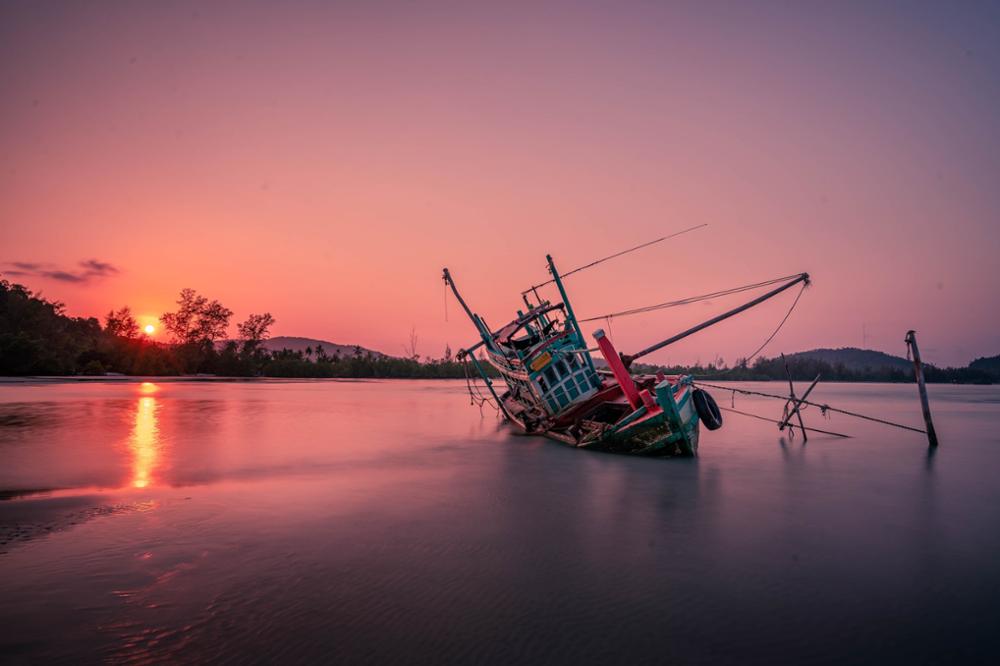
<point>324,162</point>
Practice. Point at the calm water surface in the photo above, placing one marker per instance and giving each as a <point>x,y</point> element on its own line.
<point>389,522</point>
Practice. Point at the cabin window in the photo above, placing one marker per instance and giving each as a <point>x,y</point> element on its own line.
<point>561,368</point>
<point>573,393</point>
<point>571,362</point>
<point>561,397</point>
<point>544,385</point>
<point>551,375</point>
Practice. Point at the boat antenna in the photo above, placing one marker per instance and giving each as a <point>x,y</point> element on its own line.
<point>615,255</point>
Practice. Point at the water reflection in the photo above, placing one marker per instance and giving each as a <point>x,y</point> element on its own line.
<point>302,521</point>
<point>144,443</point>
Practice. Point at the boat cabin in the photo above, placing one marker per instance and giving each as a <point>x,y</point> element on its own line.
<point>543,358</point>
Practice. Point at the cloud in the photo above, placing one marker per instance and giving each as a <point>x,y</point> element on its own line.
<point>88,270</point>
<point>63,276</point>
<point>93,267</point>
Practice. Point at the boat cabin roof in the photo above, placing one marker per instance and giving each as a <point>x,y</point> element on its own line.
<point>505,334</point>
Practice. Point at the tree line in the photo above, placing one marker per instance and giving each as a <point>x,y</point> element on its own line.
<point>37,337</point>
<point>806,369</point>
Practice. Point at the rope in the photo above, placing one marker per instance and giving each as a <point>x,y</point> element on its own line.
<point>476,396</point>
<point>771,337</point>
<point>823,408</point>
<point>764,418</point>
<point>618,254</point>
<point>689,300</point>
<point>746,361</point>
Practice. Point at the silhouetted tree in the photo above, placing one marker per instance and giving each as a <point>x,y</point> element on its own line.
<point>196,325</point>
<point>121,323</point>
<point>411,347</point>
<point>37,338</point>
<point>256,327</point>
<point>197,319</point>
<point>253,332</point>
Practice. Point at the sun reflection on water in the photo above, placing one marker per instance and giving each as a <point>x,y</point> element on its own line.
<point>145,440</point>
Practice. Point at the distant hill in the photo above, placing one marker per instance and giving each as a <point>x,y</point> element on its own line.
<point>300,344</point>
<point>989,364</point>
<point>854,359</point>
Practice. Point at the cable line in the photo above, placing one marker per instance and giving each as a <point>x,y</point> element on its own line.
<point>691,299</point>
<point>615,255</point>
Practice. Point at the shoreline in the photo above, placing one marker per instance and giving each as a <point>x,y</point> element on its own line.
<point>164,379</point>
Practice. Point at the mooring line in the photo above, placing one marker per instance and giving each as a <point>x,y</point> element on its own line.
<point>824,408</point>
<point>764,418</point>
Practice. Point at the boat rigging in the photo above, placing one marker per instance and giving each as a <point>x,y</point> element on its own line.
<point>555,389</point>
<point>534,288</point>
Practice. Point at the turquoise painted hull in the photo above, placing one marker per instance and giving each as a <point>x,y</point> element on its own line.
<point>670,427</point>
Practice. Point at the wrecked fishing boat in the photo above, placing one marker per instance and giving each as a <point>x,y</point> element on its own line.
<point>555,389</point>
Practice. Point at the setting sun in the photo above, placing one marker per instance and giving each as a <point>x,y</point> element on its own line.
<point>149,328</point>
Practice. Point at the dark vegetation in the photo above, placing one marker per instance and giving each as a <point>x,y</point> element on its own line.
<point>989,365</point>
<point>38,338</point>
<point>805,367</point>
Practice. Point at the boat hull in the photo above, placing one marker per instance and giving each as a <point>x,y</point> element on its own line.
<point>668,426</point>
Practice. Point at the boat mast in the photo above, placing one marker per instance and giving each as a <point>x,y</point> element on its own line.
<point>486,337</point>
<point>629,358</point>
<point>569,311</point>
<point>562,294</point>
<point>480,326</point>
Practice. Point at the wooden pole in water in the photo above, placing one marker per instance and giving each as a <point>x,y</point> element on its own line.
<point>791,389</point>
<point>918,371</point>
<point>798,405</point>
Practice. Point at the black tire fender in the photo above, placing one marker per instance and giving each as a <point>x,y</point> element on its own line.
<point>708,410</point>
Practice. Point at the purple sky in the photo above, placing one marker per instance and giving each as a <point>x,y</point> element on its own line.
<point>324,160</point>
